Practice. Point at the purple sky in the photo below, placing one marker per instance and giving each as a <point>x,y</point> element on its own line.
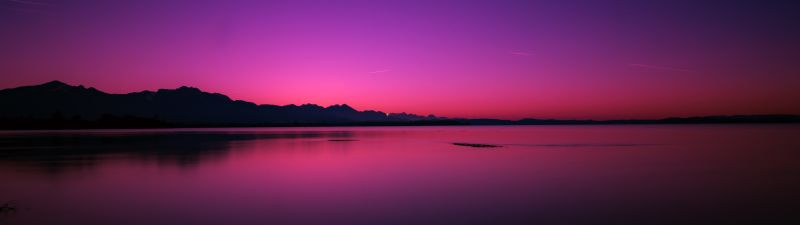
<point>500,59</point>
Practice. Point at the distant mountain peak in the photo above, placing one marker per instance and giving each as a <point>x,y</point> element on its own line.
<point>341,107</point>
<point>189,88</point>
<point>181,89</point>
<point>311,106</point>
<point>55,83</point>
<point>59,86</point>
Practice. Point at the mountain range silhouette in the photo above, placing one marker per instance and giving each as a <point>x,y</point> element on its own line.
<point>59,105</point>
<point>181,105</point>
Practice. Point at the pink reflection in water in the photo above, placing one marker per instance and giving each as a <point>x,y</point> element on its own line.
<point>668,174</point>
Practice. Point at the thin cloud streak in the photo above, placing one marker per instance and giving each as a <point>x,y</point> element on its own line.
<point>520,53</point>
<point>27,11</point>
<point>666,68</point>
<point>26,2</point>
<point>379,71</point>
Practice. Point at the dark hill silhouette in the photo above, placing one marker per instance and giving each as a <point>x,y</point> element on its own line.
<point>186,105</point>
<point>59,105</point>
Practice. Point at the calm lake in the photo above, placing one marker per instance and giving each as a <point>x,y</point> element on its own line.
<point>624,174</point>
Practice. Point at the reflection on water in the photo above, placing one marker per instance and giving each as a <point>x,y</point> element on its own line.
<point>55,152</point>
<point>700,174</point>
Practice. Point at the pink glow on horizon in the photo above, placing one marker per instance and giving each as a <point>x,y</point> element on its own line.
<point>504,60</point>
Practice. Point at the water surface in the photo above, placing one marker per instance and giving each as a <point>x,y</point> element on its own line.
<point>632,174</point>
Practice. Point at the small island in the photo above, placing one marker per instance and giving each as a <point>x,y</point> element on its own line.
<point>475,145</point>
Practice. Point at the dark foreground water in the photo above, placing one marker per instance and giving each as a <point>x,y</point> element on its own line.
<point>665,174</point>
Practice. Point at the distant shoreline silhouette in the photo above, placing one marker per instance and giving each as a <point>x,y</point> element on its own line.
<point>57,105</point>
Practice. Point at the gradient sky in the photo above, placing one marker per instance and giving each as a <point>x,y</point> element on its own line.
<point>499,59</point>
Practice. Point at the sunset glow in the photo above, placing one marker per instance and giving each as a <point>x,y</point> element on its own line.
<point>509,60</point>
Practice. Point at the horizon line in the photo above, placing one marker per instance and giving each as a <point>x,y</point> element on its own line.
<point>57,81</point>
